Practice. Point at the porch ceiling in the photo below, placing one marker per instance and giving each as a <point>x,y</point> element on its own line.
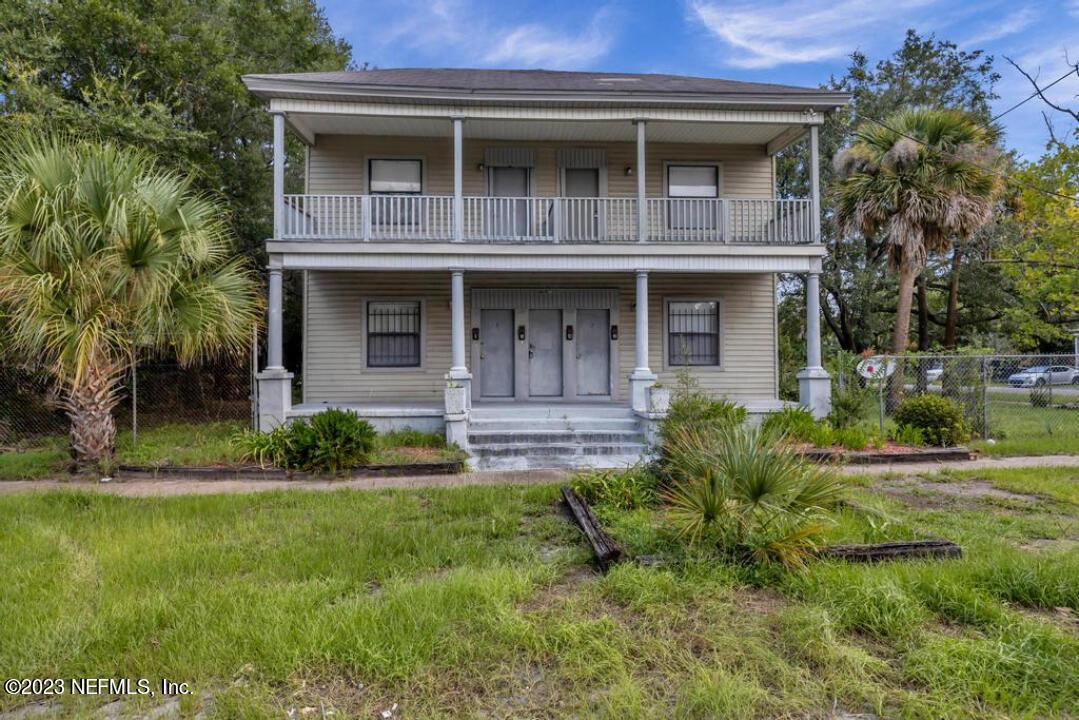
<point>729,133</point>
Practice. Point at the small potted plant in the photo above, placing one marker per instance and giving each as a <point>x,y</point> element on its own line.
<point>659,399</point>
<point>456,402</point>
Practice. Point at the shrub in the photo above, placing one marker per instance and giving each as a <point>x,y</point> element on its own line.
<point>760,503</point>
<point>849,394</point>
<point>333,440</point>
<point>940,419</point>
<point>628,489</point>
<point>851,438</point>
<point>691,408</point>
<point>908,435</point>
<point>793,422</point>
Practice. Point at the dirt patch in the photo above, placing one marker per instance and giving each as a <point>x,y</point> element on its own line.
<point>1049,544</point>
<point>1064,618</point>
<point>924,493</point>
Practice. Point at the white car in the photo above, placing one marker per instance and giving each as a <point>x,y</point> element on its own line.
<point>933,374</point>
<point>1045,375</point>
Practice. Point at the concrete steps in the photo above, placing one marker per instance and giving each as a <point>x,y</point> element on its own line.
<point>525,437</point>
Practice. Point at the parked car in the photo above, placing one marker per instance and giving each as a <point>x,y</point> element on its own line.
<point>933,374</point>
<point>1045,375</point>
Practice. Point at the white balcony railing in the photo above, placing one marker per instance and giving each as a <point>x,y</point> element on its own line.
<point>387,218</point>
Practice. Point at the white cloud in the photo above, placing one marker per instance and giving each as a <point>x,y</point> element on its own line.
<point>541,46</point>
<point>1015,22</point>
<point>475,38</point>
<point>798,31</point>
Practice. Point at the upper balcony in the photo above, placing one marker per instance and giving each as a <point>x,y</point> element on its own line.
<point>569,220</point>
<point>469,168</point>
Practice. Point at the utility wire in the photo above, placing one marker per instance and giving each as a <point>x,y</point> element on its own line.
<point>1033,95</point>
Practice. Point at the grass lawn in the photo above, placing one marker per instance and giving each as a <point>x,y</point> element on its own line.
<point>479,602</point>
<point>200,444</point>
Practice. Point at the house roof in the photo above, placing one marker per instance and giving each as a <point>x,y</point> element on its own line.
<point>478,84</point>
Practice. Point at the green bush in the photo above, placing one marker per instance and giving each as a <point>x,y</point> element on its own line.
<point>760,502</point>
<point>333,440</point>
<point>628,489</point>
<point>939,419</point>
<point>908,435</point>
<point>691,408</point>
<point>794,422</point>
<point>851,438</point>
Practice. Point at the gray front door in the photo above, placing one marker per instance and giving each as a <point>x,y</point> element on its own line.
<point>545,353</point>
<point>496,353</point>
<point>581,219</point>
<point>593,352</point>
<point>508,217</point>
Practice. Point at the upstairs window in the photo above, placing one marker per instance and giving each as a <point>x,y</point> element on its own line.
<point>393,334</point>
<point>693,333</point>
<point>692,189</point>
<point>402,182</point>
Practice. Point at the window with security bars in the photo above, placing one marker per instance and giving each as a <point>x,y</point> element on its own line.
<point>693,333</point>
<point>393,334</point>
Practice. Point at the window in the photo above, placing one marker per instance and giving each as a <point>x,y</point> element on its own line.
<point>393,334</point>
<point>692,188</point>
<point>693,333</point>
<point>401,182</point>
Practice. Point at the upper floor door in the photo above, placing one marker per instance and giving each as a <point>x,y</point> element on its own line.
<point>507,215</point>
<point>581,217</point>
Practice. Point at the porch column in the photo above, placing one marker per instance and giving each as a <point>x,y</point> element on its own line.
<point>642,209</point>
<point>459,379</point>
<point>278,175</point>
<point>814,178</point>
<point>274,382</point>
<point>814,384</point>
<point>458,181</point>
<point>642,376</point>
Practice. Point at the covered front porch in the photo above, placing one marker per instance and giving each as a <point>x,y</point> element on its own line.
<point>436,350</point>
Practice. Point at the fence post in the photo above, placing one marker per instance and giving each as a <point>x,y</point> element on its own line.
<point>134,400</point>
<point>880,392</point>
<point>254,393</point>
<point>985,398</point>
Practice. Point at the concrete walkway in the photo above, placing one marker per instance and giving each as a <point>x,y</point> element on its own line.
<point>146,488</point>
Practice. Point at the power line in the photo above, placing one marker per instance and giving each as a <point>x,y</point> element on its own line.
<point>999,173</point>
<point>1033,95</point>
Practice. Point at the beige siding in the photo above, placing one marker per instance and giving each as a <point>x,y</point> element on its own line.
<point>338,164</point>
<point>334,350</point>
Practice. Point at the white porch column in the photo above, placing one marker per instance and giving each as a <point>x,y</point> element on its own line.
<point>458,180</point>
<point>814,178</point>
<point>278,175</point>
<point>642,208</point>
<point>274,382</point>
<point>642,376</point>
<point>459,379</point>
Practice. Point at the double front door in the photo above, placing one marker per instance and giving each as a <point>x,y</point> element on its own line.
<point>543,344</point>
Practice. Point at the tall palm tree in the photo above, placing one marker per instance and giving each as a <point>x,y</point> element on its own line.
<point>103,255</point>
<point>917,182</point>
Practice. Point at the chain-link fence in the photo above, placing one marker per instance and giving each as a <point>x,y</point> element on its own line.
<point>154,395</point>
<point>1002,396</point>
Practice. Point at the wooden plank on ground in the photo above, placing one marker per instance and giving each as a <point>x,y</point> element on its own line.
<point>893,551</point>
<point>607,551</point>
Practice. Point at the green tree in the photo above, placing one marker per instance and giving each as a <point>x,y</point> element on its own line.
<point>858,294</point>
<point>166,75</point>
<point>1043,261</point>
<point>102,256</point>
<point>913,184</point>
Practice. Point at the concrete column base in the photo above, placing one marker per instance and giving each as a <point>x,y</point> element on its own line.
<point>457,430</point>
<point>275,397</point>
<point>815,390</point>
<point>639,382</point>
<point>464,379</point>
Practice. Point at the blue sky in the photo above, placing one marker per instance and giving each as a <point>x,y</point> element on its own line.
<point>799,42</point>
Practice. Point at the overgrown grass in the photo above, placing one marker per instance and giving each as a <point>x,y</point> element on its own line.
<point>202,444</point>
<point>479,601</point>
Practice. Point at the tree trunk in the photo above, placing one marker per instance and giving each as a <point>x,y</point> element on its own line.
<point>923,314</point>
<point>89,405</point>
<point>950,320</point>
<point>908,273</point>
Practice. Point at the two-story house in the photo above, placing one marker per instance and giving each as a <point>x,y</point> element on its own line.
<point>519,256</point>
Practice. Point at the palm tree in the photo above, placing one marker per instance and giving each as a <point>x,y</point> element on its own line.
<point>917,182</point>
<point>102,255</point>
